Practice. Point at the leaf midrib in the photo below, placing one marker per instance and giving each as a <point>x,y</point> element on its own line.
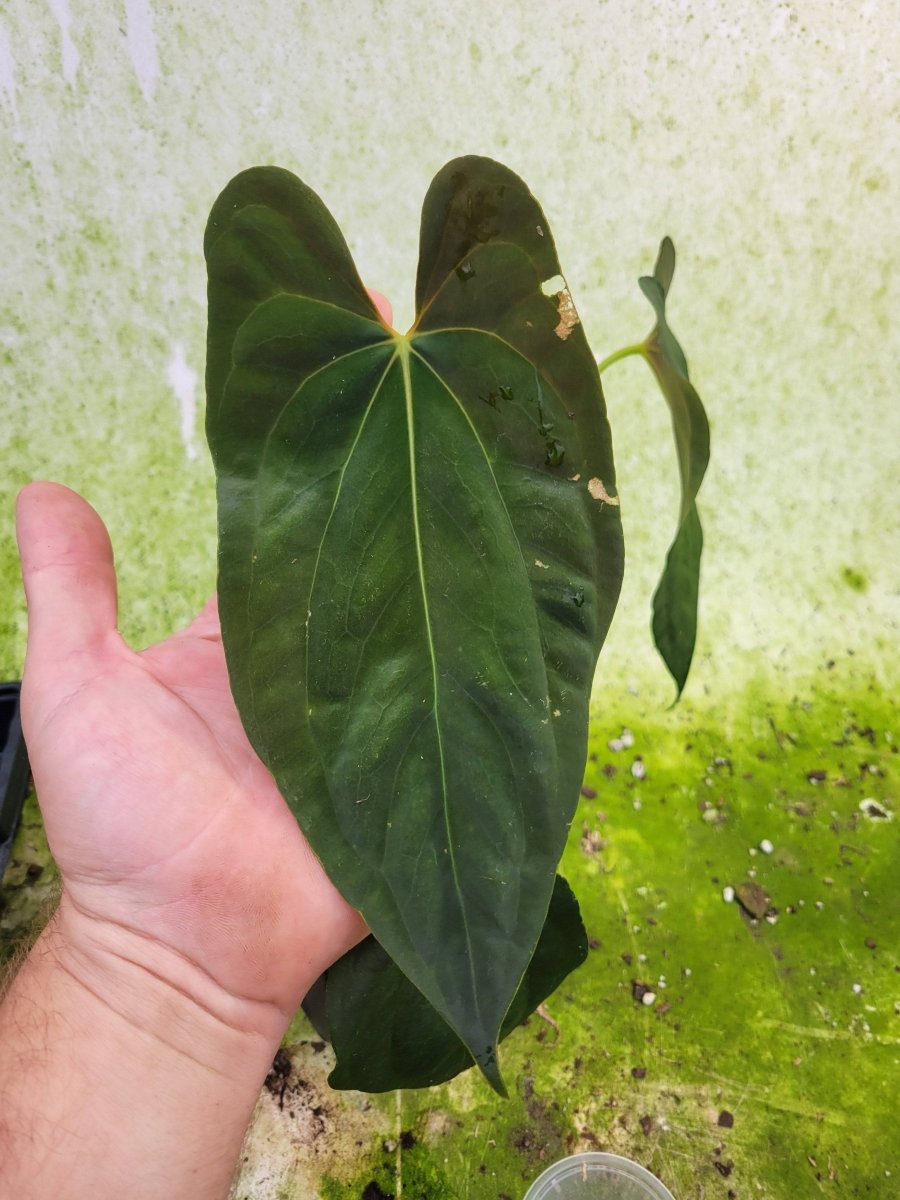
<point>490,466</point>
<point>403,351</point>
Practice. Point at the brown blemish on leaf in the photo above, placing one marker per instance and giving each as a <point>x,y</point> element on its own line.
<point>599,492</point>
<point>565,305</point>
<point>568,316</point>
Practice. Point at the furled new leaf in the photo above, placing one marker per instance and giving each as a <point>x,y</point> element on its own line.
<point>386,1035</point>
<point>675,600</point>
<point>419,556</point>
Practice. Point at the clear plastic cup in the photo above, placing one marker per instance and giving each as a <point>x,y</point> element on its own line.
<point>596,1176</point>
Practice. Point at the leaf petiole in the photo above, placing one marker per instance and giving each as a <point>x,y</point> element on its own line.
<point>639,348</point>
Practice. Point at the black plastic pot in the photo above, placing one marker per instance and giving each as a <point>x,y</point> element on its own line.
<point>13,768</point>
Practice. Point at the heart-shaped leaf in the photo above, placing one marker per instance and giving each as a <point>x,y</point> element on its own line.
<point>385,1033</point>
<point>419,556</point>
<point>675,600</point>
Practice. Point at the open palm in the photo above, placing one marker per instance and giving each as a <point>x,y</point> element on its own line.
<point>161,817</point>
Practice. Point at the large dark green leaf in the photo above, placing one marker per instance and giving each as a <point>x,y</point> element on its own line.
<point>675,601</point>
<point>385,1033</point>
<point>419,556</point>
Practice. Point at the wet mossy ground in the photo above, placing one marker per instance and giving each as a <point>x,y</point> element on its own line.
<point>739,1048</point>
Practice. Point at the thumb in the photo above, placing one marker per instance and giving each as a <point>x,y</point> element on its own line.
<point>383,305</point>
<point>70,583</point>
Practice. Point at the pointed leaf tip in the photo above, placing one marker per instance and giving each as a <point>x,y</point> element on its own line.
<point>665,264</point>
<point>490,1069</point>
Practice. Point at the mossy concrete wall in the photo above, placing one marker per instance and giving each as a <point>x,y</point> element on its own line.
<point>764,139</point>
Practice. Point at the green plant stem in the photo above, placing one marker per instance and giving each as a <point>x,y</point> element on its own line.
<point>626,352</point>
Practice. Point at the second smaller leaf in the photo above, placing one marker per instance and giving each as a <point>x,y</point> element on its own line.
<point>676,597</point>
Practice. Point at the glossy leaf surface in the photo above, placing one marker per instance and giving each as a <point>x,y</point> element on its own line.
<point>676,597</point>
<point>385,1033</point>
<point>419,556</point>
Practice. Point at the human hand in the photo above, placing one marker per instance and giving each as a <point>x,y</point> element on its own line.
<point>166,827</point>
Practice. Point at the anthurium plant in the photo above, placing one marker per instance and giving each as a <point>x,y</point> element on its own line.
<point>420,552</point>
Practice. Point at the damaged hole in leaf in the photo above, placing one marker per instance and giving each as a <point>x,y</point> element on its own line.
<point>575,595</point>
<point>557,289</point>
<point>599,492</point>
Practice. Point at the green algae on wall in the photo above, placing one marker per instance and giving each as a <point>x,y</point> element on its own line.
<point>737,129</point>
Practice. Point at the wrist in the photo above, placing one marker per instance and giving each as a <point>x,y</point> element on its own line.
<point>166,1000</point>
<point>123,1073</point>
